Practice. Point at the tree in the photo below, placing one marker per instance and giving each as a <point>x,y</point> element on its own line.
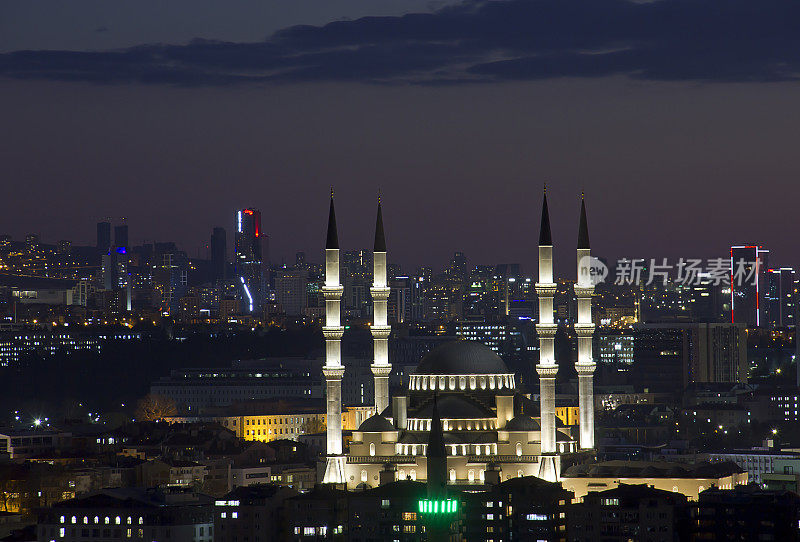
<point>313,425</point>
<point>155,407</point>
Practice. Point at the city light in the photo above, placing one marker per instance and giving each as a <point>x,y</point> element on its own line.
<point>444,506</point>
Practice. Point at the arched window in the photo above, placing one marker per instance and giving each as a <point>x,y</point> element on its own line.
<point>363,475</point>
<point>371,448</point>
<point>401,474</point>
<point>519,474</point>
<point>471,475</point>
<point>117,520</point>
<point>74,519</point>
<point>107,520</point>
<point>519,449</point>
<point>482,475</point>
<point>85,520</point>
<point>452,475</point>
<point>413,474</point>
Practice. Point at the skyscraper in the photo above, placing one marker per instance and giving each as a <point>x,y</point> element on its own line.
<point>781,297</point>
<point>248,261</point>
<point>103,237</point>
<point>121,236</point>
<point>219,253</point>
<point>748,284</point>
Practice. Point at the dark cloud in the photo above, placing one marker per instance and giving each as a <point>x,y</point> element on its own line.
<point>476,41</point>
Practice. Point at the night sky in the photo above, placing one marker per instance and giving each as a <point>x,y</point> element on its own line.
<point>678,118</point>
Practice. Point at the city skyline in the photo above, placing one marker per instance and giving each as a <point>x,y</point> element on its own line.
<point>696,145</point>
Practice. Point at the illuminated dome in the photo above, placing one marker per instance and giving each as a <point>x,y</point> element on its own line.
<point>461,357</point>
<point>376,423</point>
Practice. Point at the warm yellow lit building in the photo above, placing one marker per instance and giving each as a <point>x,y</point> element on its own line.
<point>286,425</point>
<point>687,479</point>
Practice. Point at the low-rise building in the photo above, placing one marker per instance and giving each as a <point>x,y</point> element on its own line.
<point>629,512</point>
<point>252,514</point>
<point>746,513</point>
<point>130,514</point>
<point>687,479</point>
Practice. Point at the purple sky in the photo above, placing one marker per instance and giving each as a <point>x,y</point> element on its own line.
<point>672,166</point>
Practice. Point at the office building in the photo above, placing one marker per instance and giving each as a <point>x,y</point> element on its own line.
<point>749,264</point>
<point>291,291</point>
<point>249,264</point>
<point>103,244</point>
<point>782,297</point>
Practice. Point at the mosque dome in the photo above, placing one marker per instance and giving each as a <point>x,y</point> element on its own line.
<point>376,423</point>
<point>461,357</point>
<point>522,422</point>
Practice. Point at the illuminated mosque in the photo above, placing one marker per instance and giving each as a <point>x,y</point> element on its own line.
<point>490,430</point>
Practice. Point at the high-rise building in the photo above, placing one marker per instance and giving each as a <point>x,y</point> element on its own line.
<point>781,297</point>
<point>291,290</point>
<point>103,237</point>
<point>248,260</point>
<point>219,255</point>
<point>170,275</point>
<point>667,357</point>
<point>748,284</point>
<point>458,265</point>
<point>121,236</point>
<point>400,303</point>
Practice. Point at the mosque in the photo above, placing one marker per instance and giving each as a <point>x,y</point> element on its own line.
<point>490,431</point>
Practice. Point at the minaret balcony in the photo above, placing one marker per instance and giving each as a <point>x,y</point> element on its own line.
<point>546,289</point>
<point>380,292</point>
<point>546,331</point>
<point>583,290</point>
<point>332,293</point>
<point>380,332</point>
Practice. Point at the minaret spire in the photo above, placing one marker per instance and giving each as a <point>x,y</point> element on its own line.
<point>584,329</point>
<point>380,237</point>
<point>380,326</point>
<point>333,235</point>
<point>333,368</point>
<point>547,367</point>
<point>545,237</point>
<point>583,228</point>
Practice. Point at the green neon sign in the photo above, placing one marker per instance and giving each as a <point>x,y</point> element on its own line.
<point>443,506</point>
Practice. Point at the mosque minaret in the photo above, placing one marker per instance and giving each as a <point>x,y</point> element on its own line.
<point>380,326</point>
<point>546,329</point>
<point>333,369</point>
<point>584,329</point>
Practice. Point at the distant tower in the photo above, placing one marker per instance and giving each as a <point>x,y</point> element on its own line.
<point>584,329</point>
<point>219,255</point>
<point>749,265</point>
<point>547,367</point>
<point>380,327</point>
<point>249,261</point>
<point>333,369</point>
<point>103,237</point>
